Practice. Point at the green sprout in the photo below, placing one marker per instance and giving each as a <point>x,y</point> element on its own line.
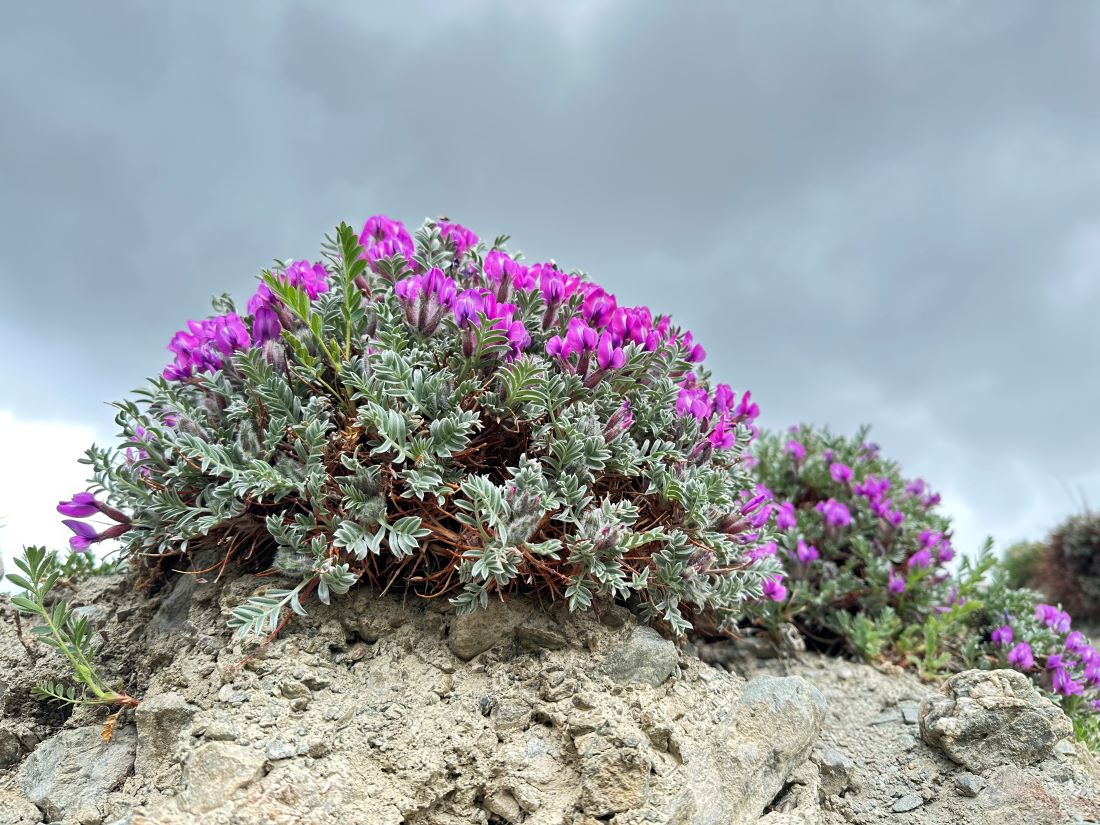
<point>63,631</point>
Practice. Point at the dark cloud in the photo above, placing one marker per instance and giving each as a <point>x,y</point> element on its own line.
<point>868,212</point>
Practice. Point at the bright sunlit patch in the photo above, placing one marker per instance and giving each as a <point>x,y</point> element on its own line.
<point>38,468</point>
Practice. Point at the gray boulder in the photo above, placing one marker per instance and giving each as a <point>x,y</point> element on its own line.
<point>985,718</point>
<point>161,721</point>
<point>646,658</point>
<point>71,771</point>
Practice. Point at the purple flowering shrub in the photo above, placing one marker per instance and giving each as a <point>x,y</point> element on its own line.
<point>864,550</point>
<point>866,558</point>
<point>431,412</point>
<point>1068,569</point>
<point>1016,629</point>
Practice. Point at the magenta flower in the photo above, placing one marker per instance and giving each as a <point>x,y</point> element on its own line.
<point>1061,680</point>
<point>312,279</point>
<point>1052,617</point>
<point>795,450</point>
<point>694,402</point>
<point>425,299</point>
<point>841,473</point>
<point>873,488</point>
<point>694,353</point>
<point>204,345</point>
<point>895,584</point>
<point>836,514</point>
<point>806,553</point>
<point>785,518</point>
<point>921,559</point>
<point>459,237</point>
<point>1077,644</point>
<point>383,238</point>
<point>598,308</point>
<point>746,410</point>
<point>723,398</point>
<point>608,356</point>
<point>86,534</point>
<point>466,305</point>
<point>722,436</point>
<point>80,505</point>
<point>1002,636</point>
<point>619,422</point>
<point>945,552</point>
<point>774,589</point>
<point>504,274</point>
<point>1021,656</point>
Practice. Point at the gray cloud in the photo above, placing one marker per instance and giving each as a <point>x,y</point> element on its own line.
<point>867,212</point>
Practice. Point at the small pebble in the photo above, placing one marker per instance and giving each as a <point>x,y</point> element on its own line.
<point>910,713</point>
<point>909,802</point>
<point>968,784</point>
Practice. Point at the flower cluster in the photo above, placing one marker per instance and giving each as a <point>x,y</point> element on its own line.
<point>430,412</point>
<point>854,535</point>
<point>1041,642</point>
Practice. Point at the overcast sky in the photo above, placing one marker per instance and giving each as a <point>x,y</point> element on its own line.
<point>881,212</point>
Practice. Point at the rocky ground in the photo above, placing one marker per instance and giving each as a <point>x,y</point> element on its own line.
<point>381,711</point>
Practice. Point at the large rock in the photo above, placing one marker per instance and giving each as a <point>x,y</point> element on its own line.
<point>161,721</point>
<point>216,771</point>
<point>70,772</point>
<point>646,658</point>
<point>16,809</point>
<point>985,718</point>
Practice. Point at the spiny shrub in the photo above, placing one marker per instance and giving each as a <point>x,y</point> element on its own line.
<point>434,414</point>
<point>1021,563</point>
<point>864,549</point>
<point>1069,566</point>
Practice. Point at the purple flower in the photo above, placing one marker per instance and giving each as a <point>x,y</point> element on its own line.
<point>608,356</point>
<point>504,273</point>
<point>872,487</point>
<point>723,398</point>
<point>425,299</point>
<point>80,505</point>
<point>841,473</point>
<point>806,553</point>
<point>694,402</point>
<point>310,278</point>
<point>722,436</point>
<point>921,559</point>
<point>1061,680</point>
<point>1002,636</point>
<point>916,487</point>
<point>1052,617</point>
<point>693,352</point>
<point>785,519</point>
<point>383,238</point>
<point>598,308</point>
<point>86,534</point>
<point>795,450</point>
<point>946,552</point>
<point>265,325</point>
<point>895,584</point>
<point>836,514</point>
<point>619,422</point>
<point>204,344</point>
<point>1021,657</point>
<point>459,236</point>
<point>895,518</point>
<point>746,410</point>
<point>1077,644</point>
<point>466,305</point>
<point>774,589</point>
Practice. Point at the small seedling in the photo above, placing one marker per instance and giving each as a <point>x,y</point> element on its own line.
<point>63,631</point>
